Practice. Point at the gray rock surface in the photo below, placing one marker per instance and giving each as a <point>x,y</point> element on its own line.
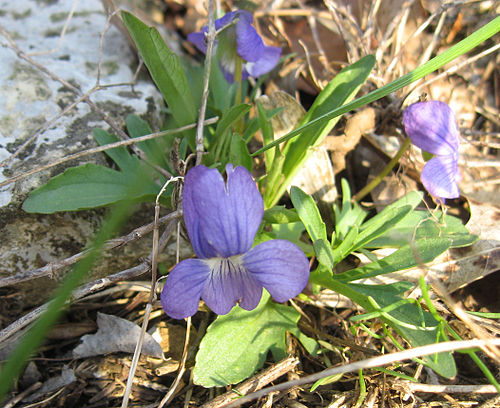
<point>29,99</point>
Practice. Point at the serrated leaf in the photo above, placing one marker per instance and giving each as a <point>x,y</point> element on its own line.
<point>387,219</point>
<point>345,246</point>
<point>236,344</point>
<point>84,187</point>
<point>308,213</point>
<point>324,253</point>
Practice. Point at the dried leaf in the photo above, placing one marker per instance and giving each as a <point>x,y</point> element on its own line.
<point>53,384</point>
<point>115,334</point>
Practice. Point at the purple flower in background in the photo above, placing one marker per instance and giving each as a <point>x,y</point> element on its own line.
<point>222,218</point>
<point>239,40</point>
<point>432,127</point>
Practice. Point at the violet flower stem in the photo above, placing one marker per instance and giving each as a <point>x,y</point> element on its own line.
<point>370,186</point>
<point>238,77</point>
<point>211,34</point>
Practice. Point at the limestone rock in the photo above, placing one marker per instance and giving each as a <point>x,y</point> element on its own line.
<point>29,99</point>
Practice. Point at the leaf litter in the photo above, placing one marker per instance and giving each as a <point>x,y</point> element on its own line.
<point>97,377</point>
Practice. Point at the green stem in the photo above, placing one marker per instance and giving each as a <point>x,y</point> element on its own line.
<point>432,65</point>
<point>238,70</point>
<point>370,186</point>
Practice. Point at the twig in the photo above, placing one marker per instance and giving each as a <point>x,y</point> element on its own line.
<point>89,288</point>
<point>370,363</point>
<point>152,296</point>
<point>449,388</point>
<point>63,32</point>
<point>386,38</point>
<point>182,365</point>
<point>455,68</point>
<point>435,38</point>
<point>103,148</point>
<point>173,388</point>
<point>210,36</point>
<point>255,383</point>
<point>21,54</point>
<point>302,12</point>
<point>51,268</point>
<point>22,395</point>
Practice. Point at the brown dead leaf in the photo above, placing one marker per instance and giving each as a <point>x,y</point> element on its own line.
<point>481,258</point>
<point>356,125</point>
<point>289,117</point>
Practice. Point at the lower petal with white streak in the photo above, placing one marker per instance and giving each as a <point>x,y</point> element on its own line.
<point>230,283</point>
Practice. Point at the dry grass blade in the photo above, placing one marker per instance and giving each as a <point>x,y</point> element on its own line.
<point>255,383</point>
<point>371,363</point>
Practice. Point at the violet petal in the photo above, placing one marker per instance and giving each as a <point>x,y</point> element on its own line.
<point>198,39</point>
<point>432,127</point>
<point>229,75</point>
<point>221,217</point>
<point>228,284</point>
<point>249,44</point>
<point>440,175</point>
<point>182,290</point>
<point>268,60</point>
<point>280,266</point>
<point>195,177</point>
<point>227,18</point>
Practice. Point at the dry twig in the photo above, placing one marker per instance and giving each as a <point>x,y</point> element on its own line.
<point>370,363</point>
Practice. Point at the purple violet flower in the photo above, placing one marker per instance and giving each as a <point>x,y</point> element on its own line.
<point>239,40</point>
<point>432,127</point>
<point>222,218</point>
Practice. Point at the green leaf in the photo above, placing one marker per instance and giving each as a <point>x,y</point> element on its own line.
<point>238,153</point>
<point>468,43</point>
<point>423,224</point>
<point>222,94</point>
<point>418,327</point>
<point>84,187</point>
<point>166,70</point>
<point>345,246</point>
<point>350,215</point>
<point>280,215</point>
<point>409,256</point>
<point>120,155</point>
<point>324,253</point>
<point>308,213</point>
<point>340,90</point>
<point>229,118</point>
<point>137,127</point>
<point>387,218</point>
<point>236,344</point>
<point>267,135</point>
